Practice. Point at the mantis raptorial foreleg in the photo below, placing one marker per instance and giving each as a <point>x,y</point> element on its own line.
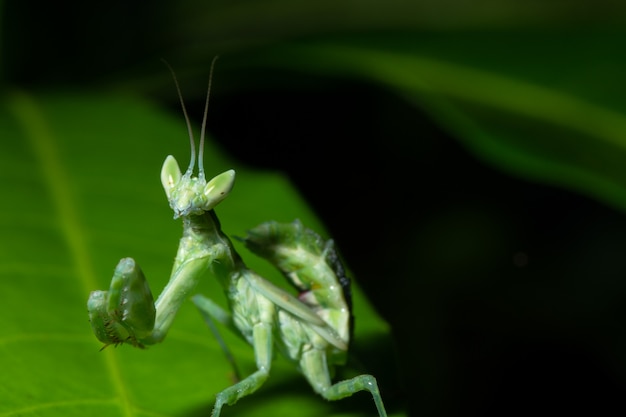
<point>312,328</point>
<point>125,313</point>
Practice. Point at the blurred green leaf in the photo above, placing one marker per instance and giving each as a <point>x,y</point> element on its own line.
<point>562,124</point>
<point>533,88</point>
<point>80,175</point>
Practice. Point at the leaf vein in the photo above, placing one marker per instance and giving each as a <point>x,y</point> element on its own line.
<point>56,179</point>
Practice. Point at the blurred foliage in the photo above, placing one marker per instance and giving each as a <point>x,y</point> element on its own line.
<point>83,202</point>
<point>466,157</point>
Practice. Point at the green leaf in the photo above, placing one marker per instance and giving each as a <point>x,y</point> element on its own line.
<point>81,189</point>
<point>543,113</point>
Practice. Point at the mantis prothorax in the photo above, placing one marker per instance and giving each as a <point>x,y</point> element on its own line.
<point>312,330</point>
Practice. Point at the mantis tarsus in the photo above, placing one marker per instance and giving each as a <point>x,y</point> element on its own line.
<point>312,330</point>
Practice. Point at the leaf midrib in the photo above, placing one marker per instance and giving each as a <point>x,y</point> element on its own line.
<point>39,134</point>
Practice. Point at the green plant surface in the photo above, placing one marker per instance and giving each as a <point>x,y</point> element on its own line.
<point>506,122</point>
<point>547,113</point>
<point>81,189</point>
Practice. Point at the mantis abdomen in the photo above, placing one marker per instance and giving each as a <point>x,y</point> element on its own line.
<point>311,265</point>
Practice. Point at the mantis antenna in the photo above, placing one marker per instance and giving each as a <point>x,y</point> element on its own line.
<point>203,128</point>
<point>192,142</point>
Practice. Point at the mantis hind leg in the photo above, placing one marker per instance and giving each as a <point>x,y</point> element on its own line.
<point>262,334</point>
<point>315,368</point>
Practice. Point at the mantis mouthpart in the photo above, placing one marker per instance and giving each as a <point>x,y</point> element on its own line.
<point>312,329</point>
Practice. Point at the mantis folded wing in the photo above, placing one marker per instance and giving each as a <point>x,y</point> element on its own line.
<point>312,330</point>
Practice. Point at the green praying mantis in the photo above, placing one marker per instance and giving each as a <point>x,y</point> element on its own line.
<point>311,329</point>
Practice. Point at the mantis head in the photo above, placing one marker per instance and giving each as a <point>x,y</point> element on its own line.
<point>189,194</point>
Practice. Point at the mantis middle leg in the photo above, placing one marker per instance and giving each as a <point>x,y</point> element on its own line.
<point>263,345</point>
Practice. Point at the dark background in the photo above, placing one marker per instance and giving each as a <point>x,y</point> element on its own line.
<point>505,296</point>
<point>513,302</point>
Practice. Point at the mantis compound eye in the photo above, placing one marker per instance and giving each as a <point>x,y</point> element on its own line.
<point>170,175</point>
<point>125,313</point>
<point>218,188</point>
